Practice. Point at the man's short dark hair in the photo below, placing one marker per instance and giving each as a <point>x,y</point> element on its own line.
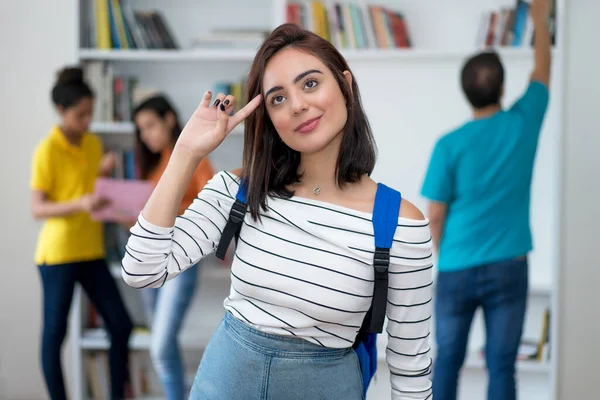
<point>482,78</point>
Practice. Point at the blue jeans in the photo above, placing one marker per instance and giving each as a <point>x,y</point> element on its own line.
<point>241,362</point>
<point>501,290</point>
<point>58,282</point>
<point>167,307</point>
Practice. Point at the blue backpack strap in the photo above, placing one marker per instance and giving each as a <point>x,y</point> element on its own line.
<point>242,192</point>
<point>385,221</point>
<point>234,222</point>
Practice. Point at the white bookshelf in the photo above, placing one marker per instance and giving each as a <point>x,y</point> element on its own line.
<point>411,96</point>
<point>128,128</point>
<point>166,55</point>
<point>248,55</point>
<point>114,128</point>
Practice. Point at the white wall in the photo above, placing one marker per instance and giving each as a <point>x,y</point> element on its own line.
<point>579,327</point>
<point>35,38</point>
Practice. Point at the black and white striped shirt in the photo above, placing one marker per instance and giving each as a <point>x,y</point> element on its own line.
<point>304,270</point>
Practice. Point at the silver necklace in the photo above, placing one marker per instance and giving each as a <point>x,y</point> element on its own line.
<point>317,190</point>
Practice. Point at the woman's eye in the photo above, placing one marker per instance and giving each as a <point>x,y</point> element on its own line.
<point>311,84</point>
<point>277,100</point>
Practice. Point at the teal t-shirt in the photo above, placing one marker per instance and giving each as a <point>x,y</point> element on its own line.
<point>483,171</point>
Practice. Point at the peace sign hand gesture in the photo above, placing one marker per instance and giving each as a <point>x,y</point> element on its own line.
<point>210,124</point>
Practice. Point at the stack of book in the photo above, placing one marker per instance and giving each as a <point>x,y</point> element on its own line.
<point>352,26</point>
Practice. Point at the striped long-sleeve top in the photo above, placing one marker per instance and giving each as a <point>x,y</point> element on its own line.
<point>304,269</point>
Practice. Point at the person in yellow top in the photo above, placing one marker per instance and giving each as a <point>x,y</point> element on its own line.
<point>70,245</point>
<point>157,130</point>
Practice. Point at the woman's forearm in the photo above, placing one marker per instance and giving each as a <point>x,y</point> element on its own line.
<point>49,209</point>
<point>163,205</point>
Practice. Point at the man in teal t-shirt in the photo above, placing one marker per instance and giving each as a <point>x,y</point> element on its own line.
<point>478,183</point>
<point>481,172</point>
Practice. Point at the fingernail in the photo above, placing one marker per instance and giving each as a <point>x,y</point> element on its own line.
<point>226,102</point>
<point>216,103</point>
<point>222,107</point>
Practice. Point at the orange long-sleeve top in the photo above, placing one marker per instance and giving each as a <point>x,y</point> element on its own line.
<point>204,172</point>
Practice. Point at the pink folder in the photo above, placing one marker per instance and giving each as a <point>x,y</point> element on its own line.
<point>127,198</point>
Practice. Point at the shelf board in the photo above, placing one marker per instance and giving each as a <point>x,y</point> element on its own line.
<point>127,128</point>
<point>97,339</point>
<point>168,55</point>
<point>540,289</point>
<point>428,54</point>
<point>248,55</point>
<point>124,128</point>
<point>473,361</point>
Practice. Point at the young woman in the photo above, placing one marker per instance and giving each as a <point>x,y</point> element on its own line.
<point>70,246</point>
<point>302,276</point>
<point>157,131</point>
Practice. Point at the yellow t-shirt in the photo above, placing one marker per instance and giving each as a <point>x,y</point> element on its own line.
<point>65,172</point>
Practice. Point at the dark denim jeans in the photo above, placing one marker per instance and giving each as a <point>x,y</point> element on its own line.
<point>58,282</point>
<point>501,290</point>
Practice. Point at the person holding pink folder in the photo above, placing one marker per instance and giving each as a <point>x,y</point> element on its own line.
<point>157,130</point>
<point>70,247</point>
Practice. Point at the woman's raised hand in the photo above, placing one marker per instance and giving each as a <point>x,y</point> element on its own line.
<point>211,123</point>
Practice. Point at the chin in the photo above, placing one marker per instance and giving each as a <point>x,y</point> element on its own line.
<point>152,148</point>
<point>310,143</point>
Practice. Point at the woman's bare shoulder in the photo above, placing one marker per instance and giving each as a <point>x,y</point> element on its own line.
<point>236,171</point>
<point>409,211</point>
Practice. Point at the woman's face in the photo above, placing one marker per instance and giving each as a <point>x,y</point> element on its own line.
<point>78,117</point>
<point>155,131</point>
<point>303,100</point>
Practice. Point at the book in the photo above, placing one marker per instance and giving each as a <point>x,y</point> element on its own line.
<point>126,197</point>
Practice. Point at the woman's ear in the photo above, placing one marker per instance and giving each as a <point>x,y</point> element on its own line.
<point>61,111</point>
<point>348,77</point>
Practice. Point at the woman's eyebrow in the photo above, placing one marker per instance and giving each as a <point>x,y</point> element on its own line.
<point>296,79</point>
<point>302,75</point>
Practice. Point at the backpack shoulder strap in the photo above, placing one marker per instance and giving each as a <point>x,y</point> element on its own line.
<point>385,221</point>
<point>242,191</point>
<point>234,222</point>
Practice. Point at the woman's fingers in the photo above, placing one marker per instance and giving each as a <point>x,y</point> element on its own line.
<point>206,99</point>
<point>244,112</point>
<point>229,103</point>
<point>224,104</point>
<point>222,119</point>
<point>219,99</point>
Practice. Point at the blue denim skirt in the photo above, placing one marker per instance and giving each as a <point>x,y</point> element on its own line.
<point>243,363</point>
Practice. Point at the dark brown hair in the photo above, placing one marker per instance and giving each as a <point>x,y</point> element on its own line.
<point>269,165</point>
<point>482,78</point>
<point>70,87</point>
<point>145,159</point>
